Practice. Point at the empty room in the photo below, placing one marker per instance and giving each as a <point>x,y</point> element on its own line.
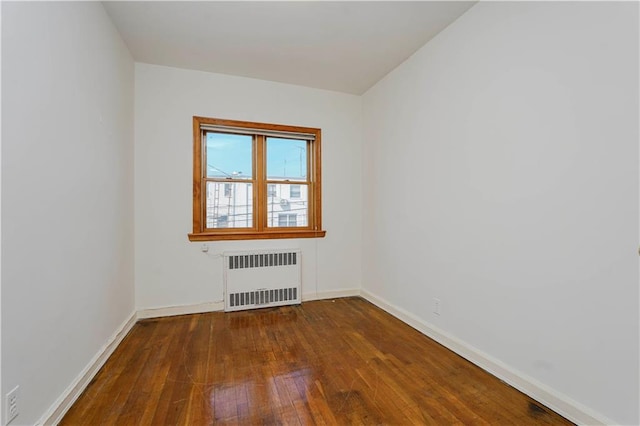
<point>318,212</point>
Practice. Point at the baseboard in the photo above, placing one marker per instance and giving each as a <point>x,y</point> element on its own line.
<point>333,294</point>
<point>199,308</point>
<point>56,412</point>
<point>556,401</point>
<point>170,311</point>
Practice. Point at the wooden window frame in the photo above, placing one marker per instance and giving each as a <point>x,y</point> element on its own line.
<point>260,185</point>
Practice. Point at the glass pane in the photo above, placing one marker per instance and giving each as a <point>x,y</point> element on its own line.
<point>229,156</point>
<point>229,205</point>
<point>286,159</point>
<point>287,205</point>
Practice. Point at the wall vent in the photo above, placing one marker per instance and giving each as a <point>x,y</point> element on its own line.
<point>261,279</point>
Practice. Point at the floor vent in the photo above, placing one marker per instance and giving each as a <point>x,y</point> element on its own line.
<point>262,279</point>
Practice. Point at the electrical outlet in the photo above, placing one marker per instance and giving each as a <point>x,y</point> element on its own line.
<point>436,306</point>
<point>11,404</point>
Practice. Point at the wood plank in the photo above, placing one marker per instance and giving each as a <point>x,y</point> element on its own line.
<point>322,362</point>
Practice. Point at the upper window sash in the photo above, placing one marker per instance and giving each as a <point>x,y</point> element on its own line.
<point>257,131</point>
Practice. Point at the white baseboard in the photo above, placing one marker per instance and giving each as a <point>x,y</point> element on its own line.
<point>558,402</point>
<point>58,409</point>
<point>333,294</point>
<point>170,311</point>
<point>199,308</point>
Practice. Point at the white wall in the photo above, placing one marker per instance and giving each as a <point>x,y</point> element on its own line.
<point>511,143</point>
<point>67,197</point>
<point>170,270</point>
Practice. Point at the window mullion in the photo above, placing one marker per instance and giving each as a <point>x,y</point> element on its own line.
<point>260,192</point>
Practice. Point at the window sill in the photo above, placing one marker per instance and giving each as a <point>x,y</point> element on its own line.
<point>265,235</point>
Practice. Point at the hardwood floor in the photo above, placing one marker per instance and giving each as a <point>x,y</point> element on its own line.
<point>324,362</point>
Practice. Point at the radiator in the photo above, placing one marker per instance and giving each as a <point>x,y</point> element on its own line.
<point>260,279</point>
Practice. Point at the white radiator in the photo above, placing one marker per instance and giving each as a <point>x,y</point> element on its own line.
<point>260,279</point>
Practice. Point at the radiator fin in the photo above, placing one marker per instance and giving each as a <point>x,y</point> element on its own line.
<point>263,297</point>
<point>264,260</point>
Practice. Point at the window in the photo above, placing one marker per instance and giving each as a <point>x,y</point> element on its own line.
<point>295,191</point>
<point>242,173</point>
<point>286,219</point>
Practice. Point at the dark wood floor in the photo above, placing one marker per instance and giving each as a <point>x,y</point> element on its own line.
<point>324,362</point>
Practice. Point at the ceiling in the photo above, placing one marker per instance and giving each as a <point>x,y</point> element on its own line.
<point>334,45</point>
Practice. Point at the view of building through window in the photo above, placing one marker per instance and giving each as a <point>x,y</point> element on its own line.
<point>230,204</point>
